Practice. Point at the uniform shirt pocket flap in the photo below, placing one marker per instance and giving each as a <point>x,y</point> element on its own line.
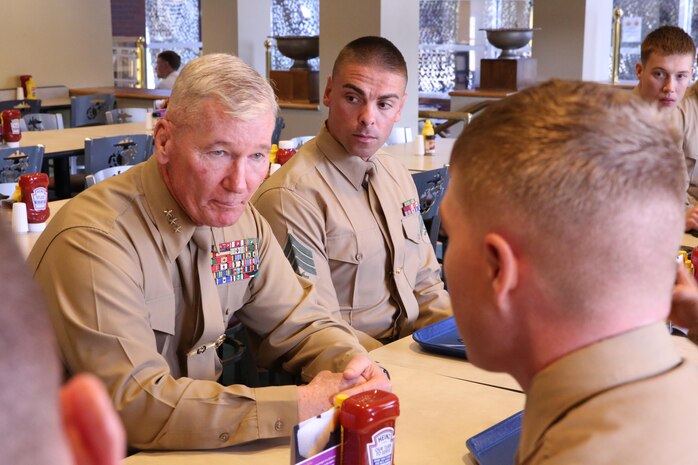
<point>413,228</point>
<point>162,314</point>
<point>342,249</point>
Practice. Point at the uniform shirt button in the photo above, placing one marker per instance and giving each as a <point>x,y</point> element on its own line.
<point>279,425</point>
<point>398,270</point>
<point>224,437</point>
<point>359,257</point>
<point>227,311</point>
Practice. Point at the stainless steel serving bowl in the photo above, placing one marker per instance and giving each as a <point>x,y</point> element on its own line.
<point>509,40</point>
<point>299,48</point>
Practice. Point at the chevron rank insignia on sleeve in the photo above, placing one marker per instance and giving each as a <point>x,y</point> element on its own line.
<point>300,257</point>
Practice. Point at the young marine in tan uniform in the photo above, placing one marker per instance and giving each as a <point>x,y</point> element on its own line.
<point>665,70</point>
<point>343,209</point>
<point>582,328</point>
<point>144,271</point>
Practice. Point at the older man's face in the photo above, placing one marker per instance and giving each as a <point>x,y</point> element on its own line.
<point>214,163</point>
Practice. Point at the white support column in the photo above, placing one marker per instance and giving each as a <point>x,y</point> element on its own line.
<point>396,20</point>
<point>575,39</point>
<point>239,27</point>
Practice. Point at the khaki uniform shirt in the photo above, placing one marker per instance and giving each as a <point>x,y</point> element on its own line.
<point>370,259</point>
<point>687,121</point>
<point>116,267</point>
<point>629,399</point>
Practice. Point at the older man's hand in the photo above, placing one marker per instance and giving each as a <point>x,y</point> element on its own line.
<point>360,374</point>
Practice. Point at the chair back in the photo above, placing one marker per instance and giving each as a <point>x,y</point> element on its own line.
<point>108,152</point>
<point>399,135</point>
<point>279,126</point>
<point>24,106</point>
<point>43,121</point>
<point>300,140</point>
<point>431,187</point>
<point>90,110</point>
<point>17,161</point>
<point>126,115</point>
<point>101,175</point>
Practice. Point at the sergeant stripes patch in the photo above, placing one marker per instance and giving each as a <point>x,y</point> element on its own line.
<point>300,257</point>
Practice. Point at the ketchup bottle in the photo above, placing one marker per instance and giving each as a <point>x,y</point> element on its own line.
<point>11,132</point>
<point>285,152</point>
<point>34,187</point>
<point>368,428</point>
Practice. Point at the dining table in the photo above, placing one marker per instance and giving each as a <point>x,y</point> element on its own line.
<point>408,154</point>
<point>61,144</point>
<point>437,415</point>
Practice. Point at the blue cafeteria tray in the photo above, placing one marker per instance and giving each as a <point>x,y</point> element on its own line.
<point>497,444</point>
<point>441,338</point>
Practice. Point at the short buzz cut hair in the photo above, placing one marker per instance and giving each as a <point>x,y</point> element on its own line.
<point>372,51</point>
<point>667,40</point>
<point>172,58</point>
<point>569,163</point>
<point>226,79</point>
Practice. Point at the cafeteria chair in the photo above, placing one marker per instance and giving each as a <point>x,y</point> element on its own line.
<point>279,126</point>
<point>109,152</point>
<point>126,115</point>
<point>300,140</point>
<point>431,187</point>
<point>90,110</point>
<point>42,121</point>
<point>399,135</point>
<point>15,162</point>
<point>101,175</point>
<point>24,106</point>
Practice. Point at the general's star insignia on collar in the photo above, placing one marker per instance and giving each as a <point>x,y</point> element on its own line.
<point>172,220</point>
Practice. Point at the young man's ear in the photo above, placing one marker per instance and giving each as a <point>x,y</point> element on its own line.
<point>503,268</point>
<point>328,91</point>
<point>638,70</point>
<point>93,430</point>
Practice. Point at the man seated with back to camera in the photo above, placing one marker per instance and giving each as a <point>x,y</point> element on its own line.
<point>76,422</point>
<point>665,70</point>
<point>563,238</point>
<point>345,211</point>
<point>143,272</point>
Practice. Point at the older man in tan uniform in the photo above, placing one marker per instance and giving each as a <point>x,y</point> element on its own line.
<point>590,166</point>
<point>145,271</point>
<point>347,213</point>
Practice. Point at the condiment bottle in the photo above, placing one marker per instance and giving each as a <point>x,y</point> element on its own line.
<point>694,261</point>
<point>34,188</point>
<point>11,132</point>
<point>429,138</point>
<point>272,153</point>
<point>286,150</point>
<point>368,428</point>
<point>29,86</point>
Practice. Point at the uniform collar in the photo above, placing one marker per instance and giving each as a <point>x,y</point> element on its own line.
<point>569,381</point>
<point>174,225</point>
<point>351,166</point>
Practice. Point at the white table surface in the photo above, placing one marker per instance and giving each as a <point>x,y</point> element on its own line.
<point>437,415</point>
<point>25,241</point>
<point>73,139</point>
<point>407,154</point>
<point>406,352</point>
